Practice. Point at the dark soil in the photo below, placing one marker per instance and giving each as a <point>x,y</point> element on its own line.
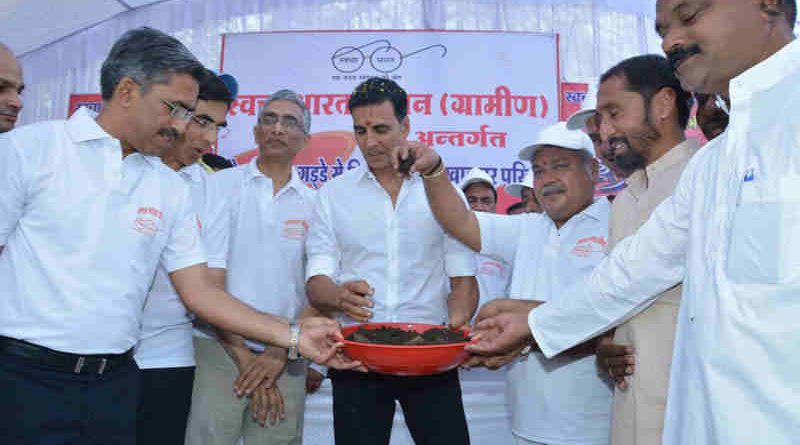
<point>397,336</point>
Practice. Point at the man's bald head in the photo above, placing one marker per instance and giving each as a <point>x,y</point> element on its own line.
<point>11,87</point>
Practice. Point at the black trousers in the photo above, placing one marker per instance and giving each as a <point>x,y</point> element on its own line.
<point>364,403</point>
<point>164,403</point>
<point>45,406</point>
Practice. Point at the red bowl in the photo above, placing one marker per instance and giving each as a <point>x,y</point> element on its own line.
<point>405,360</point>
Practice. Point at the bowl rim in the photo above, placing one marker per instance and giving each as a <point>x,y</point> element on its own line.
<point>405,347</point>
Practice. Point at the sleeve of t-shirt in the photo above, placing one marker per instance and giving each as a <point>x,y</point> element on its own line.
<point>216,227</point>
<point>500,235</point>
<point>184,247</point>
<point>12,186</point>
<point>322,248</point>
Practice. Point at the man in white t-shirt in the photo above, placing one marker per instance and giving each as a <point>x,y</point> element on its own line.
<point>165,353</point>
<point>558,402</point>
<point>257,220</point>
<point>483,391</point>
<point>87,213</point>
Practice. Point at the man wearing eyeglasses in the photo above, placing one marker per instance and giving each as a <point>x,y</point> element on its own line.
<point>165,353</point>
<point>255,232</point>
<point>87,213</point>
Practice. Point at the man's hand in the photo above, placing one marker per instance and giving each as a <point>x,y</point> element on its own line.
<point>493,362</point>
<point>425,158</point>
<point>501,334</point>
<point>617,360</point>
<point>321,342</point>
<point>500,305</point>
<point>263,370</point>
<point>313,380</point>
<point>354,301</point>
<point>266,404</point>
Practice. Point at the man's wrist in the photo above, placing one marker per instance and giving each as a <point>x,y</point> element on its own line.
<point>294,341</point>
<point>435,171</point>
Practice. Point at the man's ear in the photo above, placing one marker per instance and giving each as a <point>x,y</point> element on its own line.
<point>663,104</point>
<point>126,92</point>
<point>406,125</point>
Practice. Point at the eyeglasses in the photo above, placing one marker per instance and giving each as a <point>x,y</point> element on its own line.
<point>178,111</point>
<point>287,121</point>
<point>207,124</point>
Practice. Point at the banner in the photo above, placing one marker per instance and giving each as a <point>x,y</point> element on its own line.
<point>477,97</point>
<point>93,102</point>
<point>572,96</point>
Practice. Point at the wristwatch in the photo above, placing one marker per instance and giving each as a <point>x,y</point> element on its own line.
<point>294,341</point>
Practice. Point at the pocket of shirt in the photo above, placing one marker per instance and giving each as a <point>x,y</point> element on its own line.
<point>765,235</point>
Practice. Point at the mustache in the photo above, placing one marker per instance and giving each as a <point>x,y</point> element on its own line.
<point>169,133</point>
<point>550,189</point>
<point>679,54</point>
<point>9,112</point>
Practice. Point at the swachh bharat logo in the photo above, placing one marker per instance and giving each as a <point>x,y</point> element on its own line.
<point>381,54</point>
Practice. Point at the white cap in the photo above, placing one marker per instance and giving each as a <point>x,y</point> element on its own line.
<point>515,188</point>
<point>558,135</point>
<point>476,175</point>
<point>588,109</point>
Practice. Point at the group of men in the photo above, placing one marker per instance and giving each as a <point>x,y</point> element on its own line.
<point>653,319</point>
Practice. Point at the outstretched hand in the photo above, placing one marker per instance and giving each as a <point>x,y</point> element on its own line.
<point>321,342</point>
<point>501,334</point>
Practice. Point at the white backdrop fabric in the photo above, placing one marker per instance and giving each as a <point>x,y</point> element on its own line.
<point>595,34</point>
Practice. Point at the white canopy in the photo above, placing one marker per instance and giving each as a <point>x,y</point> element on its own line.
<point>62,43</point>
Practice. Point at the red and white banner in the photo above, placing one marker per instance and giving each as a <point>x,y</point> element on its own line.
<point>477,97</point>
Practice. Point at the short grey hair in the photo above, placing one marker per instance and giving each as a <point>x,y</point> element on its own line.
<point>147,56</point>
<point>291,96</point>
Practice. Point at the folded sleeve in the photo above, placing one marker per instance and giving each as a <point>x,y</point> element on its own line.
<point>500,235</point>
<point>322,248</point>
<point>12,184</point>
<point>184,247</point>
<point>216,226</point>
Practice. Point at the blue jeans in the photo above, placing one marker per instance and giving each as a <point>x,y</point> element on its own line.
<point>44,406</point>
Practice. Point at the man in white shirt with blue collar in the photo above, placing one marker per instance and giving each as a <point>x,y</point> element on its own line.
<point>564,401</point>
<point>165,353</point>
<point>730,232</point>
<point>88,212</point>
<point>376,253</point>
<point>255,231</point>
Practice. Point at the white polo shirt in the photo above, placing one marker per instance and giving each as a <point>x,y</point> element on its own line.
<point>563,400</point>
<point>166,336</point>
<point>259,239</point>
<point>494,278</point>
<point>84,230</point>
<point>401,251</point>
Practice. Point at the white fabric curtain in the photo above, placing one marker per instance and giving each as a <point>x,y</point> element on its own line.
<point>595,34</point>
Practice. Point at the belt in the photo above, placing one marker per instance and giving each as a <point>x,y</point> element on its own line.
<point>64,361</point>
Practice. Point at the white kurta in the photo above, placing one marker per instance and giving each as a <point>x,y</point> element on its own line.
<point>731,231</point>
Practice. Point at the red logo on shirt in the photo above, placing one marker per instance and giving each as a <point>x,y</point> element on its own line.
<point>587,246</point>
<point>148,220</point>
<point>294,229</point>
<point>491,268</point>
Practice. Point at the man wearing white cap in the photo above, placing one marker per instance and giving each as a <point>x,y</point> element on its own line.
<point>563,400</point>
<point>483,391</point>
<point>524,191</point>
